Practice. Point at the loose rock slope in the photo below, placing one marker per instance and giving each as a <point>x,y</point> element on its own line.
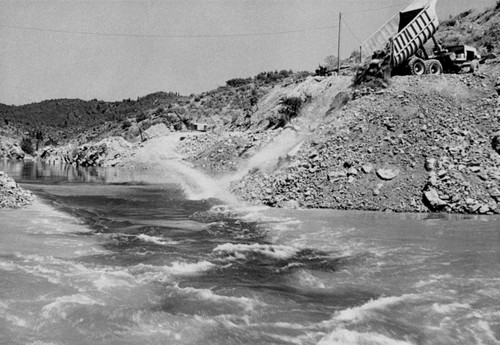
<point>425,143</point>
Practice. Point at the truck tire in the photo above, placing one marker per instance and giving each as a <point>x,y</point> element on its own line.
<point>417,66</point>
<point>433,67</point>
<point>474,66</point>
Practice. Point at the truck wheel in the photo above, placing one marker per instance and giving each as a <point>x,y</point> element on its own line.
<point>474,66</point>
<point>417,66</point>
<point>433,67</point>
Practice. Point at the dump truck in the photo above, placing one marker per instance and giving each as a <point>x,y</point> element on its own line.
<point>399,44</point>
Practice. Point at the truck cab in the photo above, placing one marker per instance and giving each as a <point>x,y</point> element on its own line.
<point>456,58</point>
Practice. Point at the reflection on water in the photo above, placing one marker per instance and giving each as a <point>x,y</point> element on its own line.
<point>47,173</point>
<point>52,173</point>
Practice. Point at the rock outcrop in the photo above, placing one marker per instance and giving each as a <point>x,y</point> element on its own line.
<point>10,149</point>
<point>107,152</point>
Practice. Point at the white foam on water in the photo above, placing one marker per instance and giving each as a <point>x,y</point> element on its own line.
<point>449,308</point>
<point>155,239</point>
<point>205,294</point>
<point>7,266</point>
<point>305,278</point>
<point>370,308</point>
<point>185,268</point>
<point>61,304</point>
<point>484,334</point>
<point>164,328</point>
<point>149,273</point>
<point>275,251</point>
<point>344,336</point>
<point>109,280</point>
<point>13,319</point>
<point>69,273</point>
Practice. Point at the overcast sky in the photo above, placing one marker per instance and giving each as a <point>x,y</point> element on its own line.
<point>112,50</point>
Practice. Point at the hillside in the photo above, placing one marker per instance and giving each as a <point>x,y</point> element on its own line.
<point>424,143</point>
<point>61,119</point>
<point>75,122</point>
<point>479,28</point>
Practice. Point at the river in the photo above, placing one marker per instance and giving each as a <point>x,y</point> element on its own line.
<point>108,256</point>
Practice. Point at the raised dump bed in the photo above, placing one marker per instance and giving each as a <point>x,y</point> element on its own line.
<point>417,24</point>
<point>405,33</point>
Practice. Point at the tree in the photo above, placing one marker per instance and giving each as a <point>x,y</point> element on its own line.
<point>38,137</point>
<point>27,145</point>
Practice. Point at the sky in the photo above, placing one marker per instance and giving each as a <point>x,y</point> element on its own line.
<point>113,50</point>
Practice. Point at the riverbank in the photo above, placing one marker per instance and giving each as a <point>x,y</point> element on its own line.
<point>425,144</point>
<point>11,194</point>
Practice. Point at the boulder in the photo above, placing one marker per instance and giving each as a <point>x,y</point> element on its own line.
<point>352,172</point>
<point>15,152</point>
<point>432,199</point>
<point>495,194</point>
<point>334,176</point>
<point>387,173</point>
<point>484,209</point>
<point>430,164</point>
<point>367,168</point>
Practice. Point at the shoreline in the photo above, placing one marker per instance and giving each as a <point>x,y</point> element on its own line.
<point>12,195</point>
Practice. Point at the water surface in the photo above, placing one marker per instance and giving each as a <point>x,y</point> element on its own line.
<point>108,256</point>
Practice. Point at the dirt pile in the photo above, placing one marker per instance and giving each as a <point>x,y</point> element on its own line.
<point>425,143</point>
<point>11,194</point>
<point>375,72</point>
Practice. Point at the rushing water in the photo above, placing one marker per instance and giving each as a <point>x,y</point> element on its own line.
<point>113,257</point>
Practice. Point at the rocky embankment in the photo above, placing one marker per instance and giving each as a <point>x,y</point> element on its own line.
<point>423,144</point>
<point>11,194</point>
<point>107,152</point>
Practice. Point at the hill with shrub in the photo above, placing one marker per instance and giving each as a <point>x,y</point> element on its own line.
<point>59,121</point>
<point>479,28</point>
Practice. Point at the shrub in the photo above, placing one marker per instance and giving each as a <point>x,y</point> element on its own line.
<point>497,6</point>
<point>290,108</point>
<point>27,145</point>
<point>140,117</point>
<point>465,14</point>
<point>450,22</point>
<point>236,82</point>
<point>126,124</point>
